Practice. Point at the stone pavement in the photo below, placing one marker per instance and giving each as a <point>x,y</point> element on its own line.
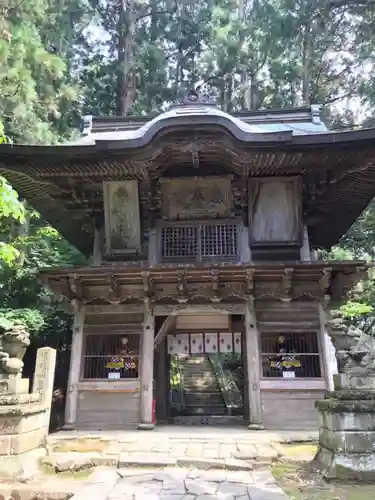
<point>211,443</point>
<point>180,484</point>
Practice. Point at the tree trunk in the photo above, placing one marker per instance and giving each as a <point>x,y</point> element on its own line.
<point>306,51</point>
<point>126,78</point>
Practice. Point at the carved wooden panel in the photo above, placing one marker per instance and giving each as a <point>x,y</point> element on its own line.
<point>122,220</point>
<point>275,210</point>
<point>197,197</point>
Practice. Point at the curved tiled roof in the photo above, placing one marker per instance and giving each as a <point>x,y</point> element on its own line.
<point>283,142</point>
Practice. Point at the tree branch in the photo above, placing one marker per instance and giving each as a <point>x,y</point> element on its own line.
<point>339,98</point>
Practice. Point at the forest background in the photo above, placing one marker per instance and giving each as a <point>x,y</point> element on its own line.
<point>63,59</point>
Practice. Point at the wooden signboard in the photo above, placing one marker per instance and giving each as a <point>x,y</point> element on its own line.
<point>122,217</point>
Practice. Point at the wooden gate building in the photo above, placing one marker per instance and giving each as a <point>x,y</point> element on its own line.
<point>203,299</point>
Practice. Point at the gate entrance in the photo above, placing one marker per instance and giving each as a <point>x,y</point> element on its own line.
<point>206,377</point>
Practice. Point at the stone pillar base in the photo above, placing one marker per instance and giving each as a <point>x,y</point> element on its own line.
<point>145,427</point>
<point>347,430</point>
<point>68,427</point>
<point>255,427</point>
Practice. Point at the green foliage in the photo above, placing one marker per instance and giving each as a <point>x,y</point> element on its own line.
<point>31,318</point>
<point>354,310</point>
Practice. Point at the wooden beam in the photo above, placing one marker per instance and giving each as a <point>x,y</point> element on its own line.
<point>166,327</point>
<point>214,308</point>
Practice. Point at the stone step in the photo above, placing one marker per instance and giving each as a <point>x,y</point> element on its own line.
<point>75,462</point>
<point>202,409</point>
<point>202,387</point>
<point>211,420</point>
<point>203,398</point>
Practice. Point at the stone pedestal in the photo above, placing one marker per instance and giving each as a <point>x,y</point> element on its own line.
<point>22,430</point>
<point>347,429</point>
<point>24,419</point>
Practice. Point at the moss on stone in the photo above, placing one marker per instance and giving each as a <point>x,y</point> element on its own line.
<point>340,406</point>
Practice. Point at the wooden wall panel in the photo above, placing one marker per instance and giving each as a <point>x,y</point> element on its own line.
<point>202,322</point>
<point>294,315</point>
<point>290,410</point>
<point>108,410</point>
<point>275,211</point>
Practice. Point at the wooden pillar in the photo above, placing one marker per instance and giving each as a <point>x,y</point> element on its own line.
<point>97,253</point>
<point>153,253</point>
<point>74,370</point>
<point>328,351</point>
<point>162,383</point>
<point>253,368</point>
<point>245,251</point>
<point>305,249</point>
<point>147,370</point>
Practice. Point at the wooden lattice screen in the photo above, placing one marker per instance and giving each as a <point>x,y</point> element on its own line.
<point>200,242</point>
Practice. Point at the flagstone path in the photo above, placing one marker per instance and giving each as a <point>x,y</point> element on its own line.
<point>180,484</point>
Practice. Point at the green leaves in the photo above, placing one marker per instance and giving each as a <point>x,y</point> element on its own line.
<point>10,206</point>
<point>354,310</point>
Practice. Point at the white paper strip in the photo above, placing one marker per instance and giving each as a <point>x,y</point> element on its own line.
<point>225,342</point>
<point>182,343</point>
<point>237,343</point>
<point>210,343</point>
<point>196,343</point>
<point>170,344</point>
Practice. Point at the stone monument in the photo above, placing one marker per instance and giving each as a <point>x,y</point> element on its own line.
<point>24,417</point>
<point>347,415</point>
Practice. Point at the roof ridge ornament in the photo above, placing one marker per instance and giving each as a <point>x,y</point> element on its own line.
<point>316,113</point>
<point>197,97</point>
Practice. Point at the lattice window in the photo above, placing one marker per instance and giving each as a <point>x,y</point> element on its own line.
<point>218,240</point>
<point>290,355</point>
<point>111,356</point>
<point>180,242</point>
<point>212,240</point>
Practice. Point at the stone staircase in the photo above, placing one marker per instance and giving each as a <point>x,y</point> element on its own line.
<point>202,395</point>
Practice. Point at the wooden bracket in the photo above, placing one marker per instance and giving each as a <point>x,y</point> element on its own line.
<point>287,283</point>
<point>182,286</point>
<point>249,282</point>
<point>75,287</point>
<point>114,293</point>
<point>325,280</point>
<point>147,286</point>
<point>215,277</point>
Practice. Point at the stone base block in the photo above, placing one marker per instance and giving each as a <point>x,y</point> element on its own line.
<point>348,421</point>
<point>345,466</point>
<point>349,441</point>
<point>19,424</point>
<point>21,468</point>
<point>146,427</point>
<point>14,385</point>
<point>346,381</point>
<point>16,444</point>
<point>255,427</point>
